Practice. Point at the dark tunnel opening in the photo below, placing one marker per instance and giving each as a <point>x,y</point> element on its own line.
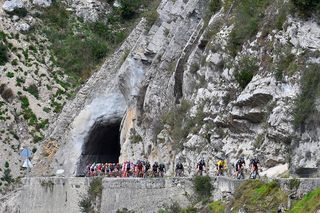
<point>101,146</point>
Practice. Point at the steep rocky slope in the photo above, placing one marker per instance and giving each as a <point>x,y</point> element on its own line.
<point>48,50</point>
<point>207,79</point>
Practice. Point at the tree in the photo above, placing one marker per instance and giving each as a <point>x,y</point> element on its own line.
<point>129,8</point>
<point>3,54</point>
<point>7,173</point>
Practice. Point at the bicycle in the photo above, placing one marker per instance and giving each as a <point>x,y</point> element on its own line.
<point>179,173</point>
<point>254,174</point>
<point>240,174</point>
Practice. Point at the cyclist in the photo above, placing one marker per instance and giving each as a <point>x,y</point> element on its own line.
<point>201,166</point>
<point>179,169</point>
<point>239,168</point>
<point>221,167</point>
<point>146,168</point>
<point>155,167</point>
<point>162,169</point>
<point>139,171</point>
<point>254,168</point>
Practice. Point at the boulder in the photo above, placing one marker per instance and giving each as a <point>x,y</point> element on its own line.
<point>275,171</point>
<point>10,6</point>
<point>23,27</point>
<point>42,3</point>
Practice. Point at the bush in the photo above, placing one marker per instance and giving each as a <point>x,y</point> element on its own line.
<point>310,90</point>
<point>3,54</point>
<point>24,102</point>
<point>249,13</point>
<point>7,173</point>
<point>6,94</point>
<point>217,207</point>
<point>203,186</point>
<point>151,17</point>
<point>177,119</point>
<point>10,74</point>
<point>21,12</point>
<point>85,205</point>
<point>309,203</point>
<point>307,7</point>
<point>245,71</point>
<point>95,189</point>
<point>33,90</point>
<point>256,196</point>
<point>135,138</point>
<point>129,8</point>
<point>215,5</point>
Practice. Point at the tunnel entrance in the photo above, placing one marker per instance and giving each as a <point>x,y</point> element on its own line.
<point>101,146</point>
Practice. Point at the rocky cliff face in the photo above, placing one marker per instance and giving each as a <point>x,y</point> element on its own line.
<point>207,79</point>
<point>183,92</point>
<point>192,102</point>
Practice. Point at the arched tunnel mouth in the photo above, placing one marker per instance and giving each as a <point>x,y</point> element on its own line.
<point>101,146</point>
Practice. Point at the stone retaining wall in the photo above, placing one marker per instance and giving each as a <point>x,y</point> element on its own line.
<point>58,194</point>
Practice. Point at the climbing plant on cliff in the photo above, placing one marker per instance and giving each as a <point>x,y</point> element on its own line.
<point>307,7</point>
<point>202,186</point>
<point>305,103</point>
<point>7,177</point>
<point>245,70</point>
<point>248,15</point>
<point>93,198</point>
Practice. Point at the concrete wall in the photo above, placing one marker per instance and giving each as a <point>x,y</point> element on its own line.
<point>56,195</point>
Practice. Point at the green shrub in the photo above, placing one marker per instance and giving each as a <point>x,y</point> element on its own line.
<point>202,186</point>
<point>283,66</point>
<point>94,191</point>
<point>256,196</point>
<point>24,102</point>
<point>33,90</point>
<point>10,74</point>
<point>217,207</point>
<point>307,7</point>
<point>3,54</point>
<point>305,101</point>
<point>21,12</point>
<point>124,210</point>
<point>95,188</point>
<point>309,203</point>
<point>245,71</point>
<point>177,119</point>
<point>248,15</point>
<point>176,208</point>
<point>6,176</point>
<point>85,205</point>
<point>151,17</point>
<point>215,5</point>
<point>129,8</point>
<point>294,183</point>
<point>135,138</point>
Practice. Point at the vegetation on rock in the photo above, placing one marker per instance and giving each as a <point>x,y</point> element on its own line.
<point>7,177</point>
<point>245,71</point>
<point>216,207</point>
<point>248,15</point>
<point>307,7</point>
<point>87,203</point>
<point>309,203</point>
<point>203,186</point>
<point>256,196</point>
<point>310,91</point>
